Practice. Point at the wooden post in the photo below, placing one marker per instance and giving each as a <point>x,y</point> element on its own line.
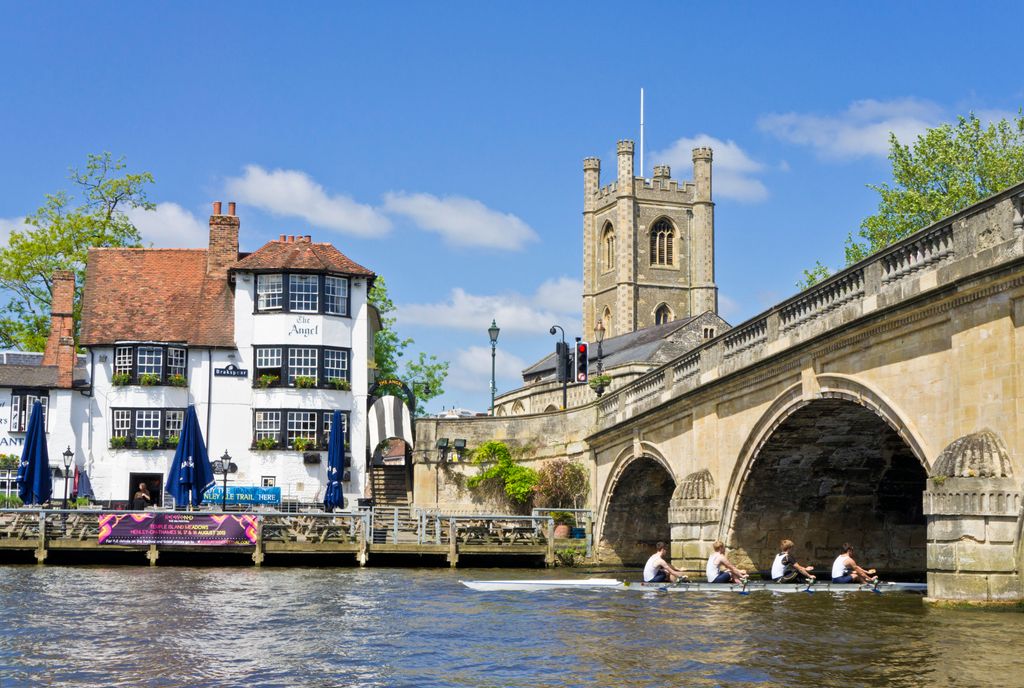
<point>41,550</point>
<point>588,532</point>
<point>362,556</point>
<point>153,554</point>
<point>453,544</point>
<point>549,558</point>
<point>257,556</point>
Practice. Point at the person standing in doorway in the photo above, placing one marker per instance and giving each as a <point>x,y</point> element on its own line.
<point>141,500</point>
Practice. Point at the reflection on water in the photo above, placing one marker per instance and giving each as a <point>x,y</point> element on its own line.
<point>402,627</point>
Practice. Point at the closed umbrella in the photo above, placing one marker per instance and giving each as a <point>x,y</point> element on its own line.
<point>34,484</point>
<point>333,498</point>
<point>191,474</point>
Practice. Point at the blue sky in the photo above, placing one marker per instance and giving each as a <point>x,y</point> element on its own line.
<point>441,144</point>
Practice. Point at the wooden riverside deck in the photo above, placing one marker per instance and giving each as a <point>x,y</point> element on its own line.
<point>352,537</point>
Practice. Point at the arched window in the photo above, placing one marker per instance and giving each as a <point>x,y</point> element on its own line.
<point>608,247</point>
<point>606,320</point>
<point>662,315</point>
<point>518,409</point>
<point>662,243</point>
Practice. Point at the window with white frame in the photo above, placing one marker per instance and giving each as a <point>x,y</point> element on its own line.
<point>303,293</point>
<point>159,423</point>
<point>301,424</point>
<point>173,420</point>
<point>150,360</point>
<point>161,360</point>
<point>147,423</point>
<point>335,295</point>
<point>268,425</point>
<point>302,362</point>
<point>285,425</point>
<point>335,364</point>
<point>288,362</point>
<point>269,292</point>
<point>124,356</point>
<point>21,408</point>
<point>268,481</point>
<point>177,359</point>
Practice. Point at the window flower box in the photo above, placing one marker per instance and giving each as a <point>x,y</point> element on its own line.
<point>264,381</point>
<point>305,382</point>
<point>149,379</point>
<point>265,443</point>
<point>177,380</point>
<point>147,443</point>
<point>118,442</point>
<point>340,383</point>
<point>121,379</point>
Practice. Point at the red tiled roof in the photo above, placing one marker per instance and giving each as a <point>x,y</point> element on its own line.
<point>299,253</point>
<point>155,294</point>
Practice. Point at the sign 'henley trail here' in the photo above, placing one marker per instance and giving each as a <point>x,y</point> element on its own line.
<point>177,529</point>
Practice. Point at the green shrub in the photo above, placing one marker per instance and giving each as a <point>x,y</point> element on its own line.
<point>121,379</point>
<point>172,441</point>
<point>80,502</point>
<point>573,555</point>
<point>177,380</point>
<point>340,383</point>
<point>302,444</point>
<point>305,382</point>
<point>10,501</point>
<point>504,477</point>
<point>562,484</point>
<point>147,443</point>
<point>9,462</point>
<point>265,381</point>
<point>149,379</point>
<point>265,443</point>
<point>118,442</point>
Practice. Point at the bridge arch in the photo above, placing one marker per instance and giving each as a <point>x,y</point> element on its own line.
<point>839,466</point>
<point>633,507</point>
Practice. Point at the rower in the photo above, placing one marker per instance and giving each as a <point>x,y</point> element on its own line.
<point>786,569</point>
<point>846,570</point>
<point>657,570</point>
<point>720,569</point>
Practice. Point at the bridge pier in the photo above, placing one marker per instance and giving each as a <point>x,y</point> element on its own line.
<point>973,507</point>
<point>694,517</point>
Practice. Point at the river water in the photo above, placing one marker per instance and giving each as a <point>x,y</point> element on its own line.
<point>179,626</point>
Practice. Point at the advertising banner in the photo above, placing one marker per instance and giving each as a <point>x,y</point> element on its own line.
<point>177,528</point>
<point>237,494</point>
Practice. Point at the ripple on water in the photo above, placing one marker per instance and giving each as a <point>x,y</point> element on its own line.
<point>402,627</point>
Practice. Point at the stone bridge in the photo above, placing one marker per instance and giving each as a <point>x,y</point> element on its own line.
<point>883,407</point>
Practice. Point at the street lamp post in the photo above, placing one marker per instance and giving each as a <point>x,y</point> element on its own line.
<point>225,466</point>
<point>492,332</point>
<point>561,373</point>
<point>599,336</point>
<point>68,456</point>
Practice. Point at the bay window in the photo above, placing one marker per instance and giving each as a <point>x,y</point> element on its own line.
<point>299,292</point>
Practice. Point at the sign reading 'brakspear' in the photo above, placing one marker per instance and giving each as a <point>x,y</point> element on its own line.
<point>173,528</point>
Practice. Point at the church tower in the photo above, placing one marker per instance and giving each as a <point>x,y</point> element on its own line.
<point>648,245</point>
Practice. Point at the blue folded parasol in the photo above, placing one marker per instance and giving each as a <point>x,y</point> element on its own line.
<point>34,483</point>
<point>191,474</point>
<point>333,498</point>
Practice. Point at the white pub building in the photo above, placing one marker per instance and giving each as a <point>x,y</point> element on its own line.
<point>266,345</point>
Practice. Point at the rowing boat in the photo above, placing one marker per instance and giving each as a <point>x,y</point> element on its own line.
<point>543,584</point>
<point>533,585</point>
<point>764,586</point>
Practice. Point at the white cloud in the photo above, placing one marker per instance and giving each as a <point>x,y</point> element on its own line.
<point>861,130</point>
<point>555,301</point>
<point>8,225</point>
<point>293,193</point>
<point>474,366</point>
<point>461,221</point>
<point>729,308</point>
<point>734,172</point>
<point>169,226</point>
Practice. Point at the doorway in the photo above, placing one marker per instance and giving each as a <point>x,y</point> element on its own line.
<point>154,482</point>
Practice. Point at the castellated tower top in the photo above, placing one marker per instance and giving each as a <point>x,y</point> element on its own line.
<point>703,153</point>
<point>625,146</point>
<point>662,172</point>
<point>591,163</point>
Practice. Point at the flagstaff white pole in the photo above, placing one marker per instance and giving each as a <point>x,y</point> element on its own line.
<point>641,131</point>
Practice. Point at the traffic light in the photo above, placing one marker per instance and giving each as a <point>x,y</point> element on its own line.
<point>582,362</point>
<point>563,365</point>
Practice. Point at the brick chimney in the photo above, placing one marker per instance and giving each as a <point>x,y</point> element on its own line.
<point>60,345</point>
<point>223,251</point>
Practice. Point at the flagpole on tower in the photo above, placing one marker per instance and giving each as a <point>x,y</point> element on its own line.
<point>641,131</point>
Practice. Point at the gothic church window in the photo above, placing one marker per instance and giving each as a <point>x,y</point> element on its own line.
<point>662,315</point>
<point>662,243</point>
<point>608,248</point>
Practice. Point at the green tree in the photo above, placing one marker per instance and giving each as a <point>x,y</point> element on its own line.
<point>425,375</point>
<point>58,238</point>
<point>945,170</point>
<point>504,477</point>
